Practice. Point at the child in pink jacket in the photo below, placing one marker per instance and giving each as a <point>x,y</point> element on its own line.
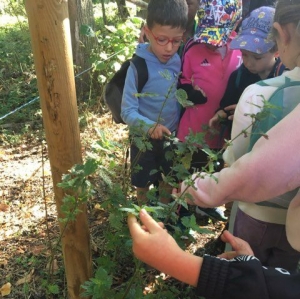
<point>206,66</point>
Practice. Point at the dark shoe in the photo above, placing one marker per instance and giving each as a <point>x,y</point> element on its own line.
<point>215,213</point>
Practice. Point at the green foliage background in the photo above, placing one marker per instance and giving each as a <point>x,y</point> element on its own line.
<point>116,41</point>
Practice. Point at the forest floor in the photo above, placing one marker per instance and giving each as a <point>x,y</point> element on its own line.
<point>28,221</point>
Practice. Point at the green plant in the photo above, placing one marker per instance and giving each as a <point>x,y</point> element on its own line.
<point>118,202</point>
<point>53,289</point>
<point>118,274</point>
<point>26,289</point>
<point>115,44</point>
<point>18,84</point>
<point>99,286</point>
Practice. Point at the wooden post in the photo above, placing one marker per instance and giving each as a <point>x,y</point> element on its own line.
<point>51,44</point>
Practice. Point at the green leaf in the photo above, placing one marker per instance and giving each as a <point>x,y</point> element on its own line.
<point>146,94</point>
<point>115,220</point>
<point>186,160</point>
<point>53,289</point>
<point>166,74</point>
<point>130,211</point>
<point>99,66</point>
<point>136,207</point>
<point>87,30</point>
<point>154,210</point>
<point>153,171</point>
<point>190,222</point>
<point>90,167</point>
<point>182,98</point>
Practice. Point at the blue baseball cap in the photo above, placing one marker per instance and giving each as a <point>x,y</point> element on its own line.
<point>255,30</point>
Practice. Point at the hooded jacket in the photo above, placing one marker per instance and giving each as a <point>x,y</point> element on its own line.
<point>157,102</point>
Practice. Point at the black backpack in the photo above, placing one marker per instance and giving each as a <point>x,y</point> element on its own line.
<point>114,88</point>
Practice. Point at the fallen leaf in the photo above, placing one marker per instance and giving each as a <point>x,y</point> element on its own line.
<point>20,250</point>
<point>3,207</point>
<point>27,278</point>
<point>5,289</point>
<point>54,266</point>
<point>94,246</point>
<point>36,250</point>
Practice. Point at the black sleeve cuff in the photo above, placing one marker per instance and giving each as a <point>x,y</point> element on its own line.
<point>194,96</point>
<point>242,277</point>
<point>212,277</point>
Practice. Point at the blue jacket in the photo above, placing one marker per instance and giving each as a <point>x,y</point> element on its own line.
<point>152,107</point>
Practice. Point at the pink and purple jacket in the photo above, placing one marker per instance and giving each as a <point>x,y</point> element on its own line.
<point>208,70</point>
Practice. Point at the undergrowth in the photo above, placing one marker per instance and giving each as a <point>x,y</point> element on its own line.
<point>106,170</point>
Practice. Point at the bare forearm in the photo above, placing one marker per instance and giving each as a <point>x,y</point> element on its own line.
<point>169,258</point>
<point>154,246</point>
<point>184,267</point>
<point>267,171</point>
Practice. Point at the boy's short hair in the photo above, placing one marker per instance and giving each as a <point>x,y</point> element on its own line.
<point>254,35</point>
<point>172,13</point>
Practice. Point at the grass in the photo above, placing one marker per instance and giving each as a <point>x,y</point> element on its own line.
<point>17,77</point>
<point>18,83</point>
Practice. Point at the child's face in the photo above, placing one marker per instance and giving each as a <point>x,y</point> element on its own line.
<point>260,64</point>
<point>211,47</point>
<point>171,39</point>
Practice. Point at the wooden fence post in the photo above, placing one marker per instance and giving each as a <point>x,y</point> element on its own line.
<point>51,44</point>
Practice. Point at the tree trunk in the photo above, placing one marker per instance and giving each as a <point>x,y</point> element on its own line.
<point>122,9</point>
<point>81,13</point>
<point>103,12</point>
<point>140,3</point>
<point>51,43</point>
<point>142,13</point>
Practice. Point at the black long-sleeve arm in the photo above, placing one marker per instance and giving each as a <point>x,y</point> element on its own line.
<point>237,83</point>
<point>232,93</point>
<point>245,277</point>
<point>194,96</point>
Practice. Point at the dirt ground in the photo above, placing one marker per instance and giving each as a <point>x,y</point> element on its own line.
<point>28,221</point>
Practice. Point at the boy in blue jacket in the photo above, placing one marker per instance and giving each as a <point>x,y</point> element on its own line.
<point>155,113</point>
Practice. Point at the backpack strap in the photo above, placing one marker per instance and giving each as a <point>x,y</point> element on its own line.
<point>283,100</point>
<point>142,71</point>
<point>279,69</point>
<point>191,42</point>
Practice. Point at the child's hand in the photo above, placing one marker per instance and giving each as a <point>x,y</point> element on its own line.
<point>214,121</point>
<point>196,87</point>
<point>231,110</point>
<point>151,243</point>
<point>239,246</point>
<point>158,131</point>
<point>176,191</point>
